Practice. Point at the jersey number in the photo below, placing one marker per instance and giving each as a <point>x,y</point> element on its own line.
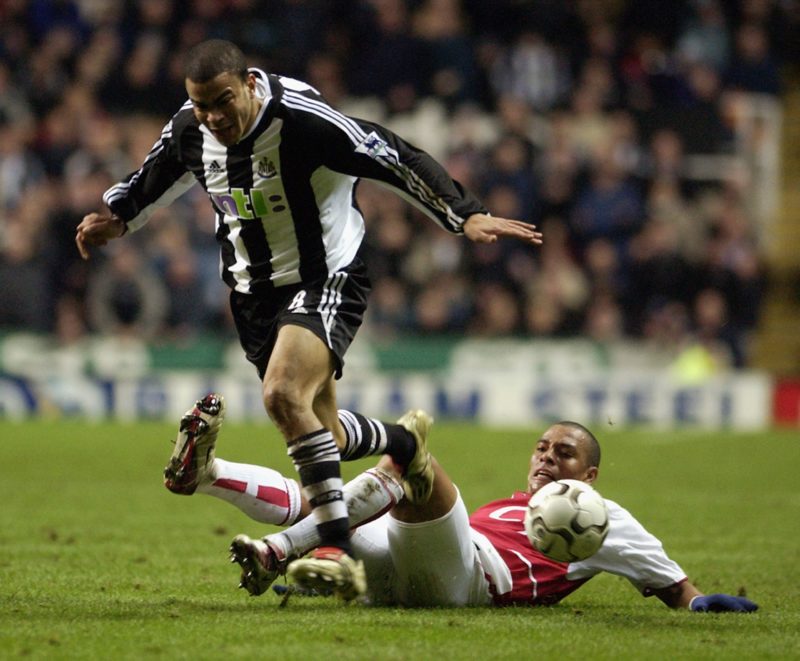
<point>298,302</point>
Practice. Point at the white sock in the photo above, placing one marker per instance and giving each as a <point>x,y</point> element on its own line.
<point>368,496</point>
<point>261,493</point>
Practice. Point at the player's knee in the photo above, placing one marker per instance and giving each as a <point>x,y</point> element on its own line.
<point>282,401</point>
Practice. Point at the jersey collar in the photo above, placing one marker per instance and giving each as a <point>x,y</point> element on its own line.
<point>263,93</point>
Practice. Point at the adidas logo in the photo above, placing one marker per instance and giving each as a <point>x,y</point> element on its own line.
<point>266,168</point>
<point>215,168</point>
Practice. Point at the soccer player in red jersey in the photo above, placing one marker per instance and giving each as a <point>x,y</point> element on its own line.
<point>436,554</point>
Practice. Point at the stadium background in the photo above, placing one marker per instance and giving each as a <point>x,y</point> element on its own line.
<point>656,144</point>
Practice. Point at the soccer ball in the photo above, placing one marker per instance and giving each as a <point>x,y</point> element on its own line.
<point>566,520</point>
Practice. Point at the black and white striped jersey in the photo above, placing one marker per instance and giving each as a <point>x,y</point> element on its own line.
<point>284,195</point>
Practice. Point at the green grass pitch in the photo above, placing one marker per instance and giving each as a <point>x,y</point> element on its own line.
<point>97,560</point>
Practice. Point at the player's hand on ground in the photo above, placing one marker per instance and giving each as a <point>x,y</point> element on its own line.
<point>97,229</point>
<point>721,603</point>
<point>483,228</point>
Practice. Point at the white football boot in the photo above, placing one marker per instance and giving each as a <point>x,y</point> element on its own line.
<point>329,569</point>
<point>261,563</point>
<point>194,446</point>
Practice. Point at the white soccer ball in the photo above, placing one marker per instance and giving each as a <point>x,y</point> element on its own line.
<point>566,520</point>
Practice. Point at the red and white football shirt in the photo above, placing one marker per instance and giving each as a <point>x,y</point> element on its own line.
<point>519,574</point>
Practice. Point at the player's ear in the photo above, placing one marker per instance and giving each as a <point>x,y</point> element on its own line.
<point>590,475</point>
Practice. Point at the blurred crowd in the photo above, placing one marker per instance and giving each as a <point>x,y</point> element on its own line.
<point>584,117</point>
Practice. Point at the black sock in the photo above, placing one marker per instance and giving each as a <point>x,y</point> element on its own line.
<point>367,436</point>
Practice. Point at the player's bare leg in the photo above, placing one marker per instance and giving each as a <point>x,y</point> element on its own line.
<point>299,370</point>
<point>325,409</point>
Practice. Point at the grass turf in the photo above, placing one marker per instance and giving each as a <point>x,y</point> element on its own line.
<point>97,560</point>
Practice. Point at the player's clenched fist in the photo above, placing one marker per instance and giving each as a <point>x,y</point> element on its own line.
<point>97,229</point>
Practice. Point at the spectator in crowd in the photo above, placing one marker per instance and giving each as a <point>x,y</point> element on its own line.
<point>387,45</point>
<point>532,70</point>
<point>390,312</point>
<point>559,282</point>
<point>20,168</point>
<point>441,27</point>
<point>713,331</point>
<point>24,300</point>
<point>609,206</point>
<point>753,67</point>
<point>704,37</point>
<point>589,112</point>
<point>126,297</point>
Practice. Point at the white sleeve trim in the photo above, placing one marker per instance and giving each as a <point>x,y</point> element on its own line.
<point>170,195</point>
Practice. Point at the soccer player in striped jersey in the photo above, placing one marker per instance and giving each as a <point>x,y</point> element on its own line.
<point>280,167</point>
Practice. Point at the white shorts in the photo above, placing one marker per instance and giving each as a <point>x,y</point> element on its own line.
<point>435,563</point>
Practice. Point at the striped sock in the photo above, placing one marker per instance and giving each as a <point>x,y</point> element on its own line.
<point>316,458</point>
<point>368,496</point>
<point>366,437</point>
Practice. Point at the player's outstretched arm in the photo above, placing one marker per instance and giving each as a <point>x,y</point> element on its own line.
<point>679,595</point>
<point>686,595</point>
<point>483,228</point>
<point>97,229</point>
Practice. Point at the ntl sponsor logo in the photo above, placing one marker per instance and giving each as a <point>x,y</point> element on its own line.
<point>248,204</point>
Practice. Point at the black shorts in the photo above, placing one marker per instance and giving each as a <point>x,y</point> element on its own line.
<point>332,309</point>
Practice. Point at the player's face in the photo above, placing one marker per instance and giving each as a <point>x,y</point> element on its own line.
<point>226,105</point>
<point>560,454</point>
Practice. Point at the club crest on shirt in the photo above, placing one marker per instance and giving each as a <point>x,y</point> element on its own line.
<point>266,168</point>
<point>372,146</point>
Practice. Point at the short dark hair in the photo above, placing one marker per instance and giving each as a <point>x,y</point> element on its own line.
<point>209,59</point>
<point>592,443</point>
